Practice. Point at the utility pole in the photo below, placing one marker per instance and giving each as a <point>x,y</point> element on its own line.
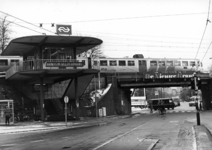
<point>195,81</point>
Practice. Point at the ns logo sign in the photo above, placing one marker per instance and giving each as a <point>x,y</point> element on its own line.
<point>63,29</point>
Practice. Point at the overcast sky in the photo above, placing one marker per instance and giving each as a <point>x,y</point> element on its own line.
<point>154,28</point>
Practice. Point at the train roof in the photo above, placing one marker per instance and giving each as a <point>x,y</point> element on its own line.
<point>153,58</point>
<point>10,56</point>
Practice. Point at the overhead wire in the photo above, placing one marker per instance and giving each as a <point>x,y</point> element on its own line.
<point>21,26</point>
<point>126,18</point>
<point>26,22</point>
<point>204,30</point>
<point>206,51</point>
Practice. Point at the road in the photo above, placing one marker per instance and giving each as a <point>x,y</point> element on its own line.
<point>141,131</point>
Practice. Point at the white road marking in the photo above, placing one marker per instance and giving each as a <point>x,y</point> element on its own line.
<point>153,144</point>
<point>121,135</point>
<point>8,145</point>
<point>36,141</point>
<point>67,137</point>
<point>173,121</point>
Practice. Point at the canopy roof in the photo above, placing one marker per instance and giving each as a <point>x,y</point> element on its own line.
<point>26,45</point>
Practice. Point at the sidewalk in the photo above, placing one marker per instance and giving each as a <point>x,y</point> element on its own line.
<point>202,133</point>
<point>22,127</point>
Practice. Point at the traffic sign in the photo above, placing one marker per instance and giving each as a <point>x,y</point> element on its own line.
<point>66,99</point>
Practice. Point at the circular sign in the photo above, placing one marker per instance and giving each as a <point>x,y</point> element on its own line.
<point>66,99</point>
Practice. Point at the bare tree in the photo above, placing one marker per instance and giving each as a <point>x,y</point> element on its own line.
<point>4,33</point>
<point>93,53</point>
<point>210,70</point>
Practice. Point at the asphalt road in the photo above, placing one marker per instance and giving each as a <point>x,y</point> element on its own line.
<point>141,131</point>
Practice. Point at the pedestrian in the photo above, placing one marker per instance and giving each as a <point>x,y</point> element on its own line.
<point>200,105</point>
<point>7,115</point>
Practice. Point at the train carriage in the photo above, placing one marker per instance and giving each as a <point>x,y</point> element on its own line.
<point>147,65</point>
<point>121,65</point>
<point>8,61</point>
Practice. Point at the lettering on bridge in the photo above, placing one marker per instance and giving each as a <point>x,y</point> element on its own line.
<point>169,75</point>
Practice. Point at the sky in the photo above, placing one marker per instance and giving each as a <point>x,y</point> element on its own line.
<point>154,28</point>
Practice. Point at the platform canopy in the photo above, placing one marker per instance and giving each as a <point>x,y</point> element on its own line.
<point>26,45</point>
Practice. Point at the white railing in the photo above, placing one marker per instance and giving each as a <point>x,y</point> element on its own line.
<point>15,68</point>
<point>55,64</point>
<point>40,64</point>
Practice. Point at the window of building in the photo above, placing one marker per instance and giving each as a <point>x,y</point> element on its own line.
<point>113,63</point>
<point>103,62</point>
<point>169,63</point>
<point>177,63</point>
<point>3,62</point>
<point>131,63</point>
<point>122,63</point>
<point>153,63</point>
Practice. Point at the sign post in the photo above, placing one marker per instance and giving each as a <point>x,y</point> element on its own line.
<point>66,101</point>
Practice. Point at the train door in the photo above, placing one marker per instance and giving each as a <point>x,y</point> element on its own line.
<point>142,66</point>
<point>170,66</point>
<point>178,66</point>
<point>161,66</point>
<point>153,66</point>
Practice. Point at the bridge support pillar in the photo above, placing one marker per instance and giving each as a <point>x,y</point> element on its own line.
<point>207,96</point>
<point>121,97</point>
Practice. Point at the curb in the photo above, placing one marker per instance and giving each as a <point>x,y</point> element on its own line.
<point>25,129</point>
<point>58,126</point>
<point>202,138</point>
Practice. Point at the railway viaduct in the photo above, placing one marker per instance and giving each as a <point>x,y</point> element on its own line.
<point>58,83</point>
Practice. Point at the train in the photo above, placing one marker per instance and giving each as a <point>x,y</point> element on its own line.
<point>8,61</point>
<point>144,65</point>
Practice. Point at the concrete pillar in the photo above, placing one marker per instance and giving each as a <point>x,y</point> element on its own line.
<point>41,99</point>
<point>76,96</point>
<point>206,97</point>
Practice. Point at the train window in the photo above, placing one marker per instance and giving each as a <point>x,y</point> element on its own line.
<point>177,63</point>
<point>3,62</point>
<point>103,62</point>
<point>131,63</point>
<point>161,63</point>
<point>184,63</point>
<point>153,63</point>
<point>122,63</point>
<point>113,63</point>
<point>192,63</point>
<point>14,61</point>
<point>169,63</point>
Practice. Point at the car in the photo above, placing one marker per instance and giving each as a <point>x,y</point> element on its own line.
<point>176,101</point>
<point>167,103</point>
<point>191,104</point>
